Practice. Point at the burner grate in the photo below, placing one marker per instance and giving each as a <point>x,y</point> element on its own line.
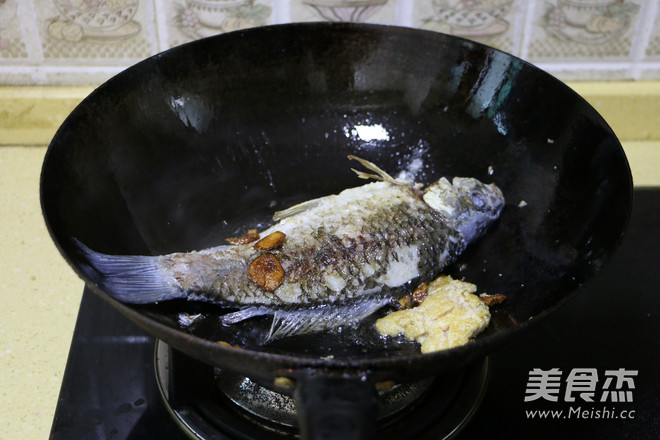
<point>208,403</point>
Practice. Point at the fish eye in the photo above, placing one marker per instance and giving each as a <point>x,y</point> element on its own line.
<point>477,200</point>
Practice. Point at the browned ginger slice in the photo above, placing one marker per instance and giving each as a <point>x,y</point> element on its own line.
<point>270,241</point>
<point>266,272</point>
<point>492,300</point>
<point>250,236</point>
<point>415,298</point>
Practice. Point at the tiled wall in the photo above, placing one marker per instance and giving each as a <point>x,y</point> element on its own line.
<point>83,42</point>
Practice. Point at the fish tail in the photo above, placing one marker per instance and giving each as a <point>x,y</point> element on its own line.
<point>134,279</point>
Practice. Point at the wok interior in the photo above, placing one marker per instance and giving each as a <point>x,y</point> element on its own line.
<point>209,139</point>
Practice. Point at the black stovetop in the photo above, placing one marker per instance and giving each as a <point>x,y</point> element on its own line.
<point>609,329</point>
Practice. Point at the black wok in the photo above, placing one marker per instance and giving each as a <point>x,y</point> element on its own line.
<point>208,139</point>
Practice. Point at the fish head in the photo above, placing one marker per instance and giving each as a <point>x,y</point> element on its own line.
<point>468,204</point>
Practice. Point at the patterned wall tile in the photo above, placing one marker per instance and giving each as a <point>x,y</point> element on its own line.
<point>653,47</point>
<point>78,75</point>
<point>96,31</point>
<point>365,11</point>
<point>571,72</point>
<point>650,73</point>
<point>497,23</point>
<point>583,30</point>
<point>12,45</point>
<point>16,78</point>
<point>181,21</point>
<point>86,41</point>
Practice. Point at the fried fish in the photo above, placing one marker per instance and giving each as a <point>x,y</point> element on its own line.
<point>325,262</point>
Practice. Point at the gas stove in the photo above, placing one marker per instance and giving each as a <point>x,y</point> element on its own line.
<point>589,370</point>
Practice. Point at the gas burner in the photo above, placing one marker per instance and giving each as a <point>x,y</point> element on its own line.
<point>109,391</point>
<point>209,403</point>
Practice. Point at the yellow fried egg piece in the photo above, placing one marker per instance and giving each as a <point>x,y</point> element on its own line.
<point>450,315</point>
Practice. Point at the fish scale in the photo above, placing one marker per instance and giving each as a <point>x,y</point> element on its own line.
<point>333,254</point>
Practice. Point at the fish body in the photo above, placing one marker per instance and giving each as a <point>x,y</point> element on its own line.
<point>345,255</point>
<point>363,241</point>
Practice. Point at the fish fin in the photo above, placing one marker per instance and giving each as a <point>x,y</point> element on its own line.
<point>328,316</point>
<point>380,174</point>
<point>187,320</point>
<point>296,209</point>
<point>246,313</point>
<point>309,204</point>
<point>133,279</point>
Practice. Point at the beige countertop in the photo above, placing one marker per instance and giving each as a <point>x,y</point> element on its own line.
<point>40,297</point>
<point>41,294</point>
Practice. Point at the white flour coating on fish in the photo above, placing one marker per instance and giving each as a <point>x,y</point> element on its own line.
<point>325,262</point>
